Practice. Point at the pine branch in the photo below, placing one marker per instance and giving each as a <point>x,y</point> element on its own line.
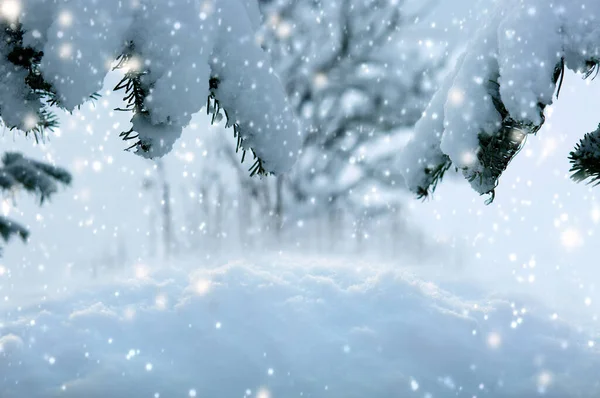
<point>35,177</point>
<point>497,150</point>
<point>213,106</point>
<point>29,59</point>
<point>435,174</point>
<point>10,228</point>
<point>135,94</point>
<point>592,68</point>
<point>7,181</point>
<point>57,173</point>
<point>585,159</point>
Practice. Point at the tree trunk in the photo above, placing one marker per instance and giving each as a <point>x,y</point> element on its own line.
<point>360,234</point>
<point>334,230</point>
<point>397,236</point>
<point>278,209</point>
<point>244,218</point>
<point>218,218</point>
<point>167,216</point>
<point>152,239</point>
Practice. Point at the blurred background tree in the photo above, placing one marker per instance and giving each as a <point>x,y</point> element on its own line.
<point>359,81</point>
<point>359,85</point>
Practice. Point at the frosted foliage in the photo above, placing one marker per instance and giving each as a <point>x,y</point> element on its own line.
<point>158,138</point>
<point>177,47</point>
<point>177,69</point>
<point>469,110</point>
<point>509,74</point>
<point>37,16</point>
<point>255,107</point>
<point>425,153</point>
<point>80,45</point>
<point>528,58</point>
<point>178,61</point>
<point>17,106</point>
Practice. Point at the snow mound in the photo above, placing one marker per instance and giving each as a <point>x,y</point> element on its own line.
<point>312,329</point>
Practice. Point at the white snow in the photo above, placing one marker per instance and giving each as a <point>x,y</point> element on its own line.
<point>424,152</point>
<point>80,45</point>
<point>519,45</point>
<point>178,46</point>
<point>245,90</point>
<point>289,327</point>
<point>322,328</point>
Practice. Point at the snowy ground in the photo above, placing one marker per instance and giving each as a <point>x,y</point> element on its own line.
<point>292,328</point>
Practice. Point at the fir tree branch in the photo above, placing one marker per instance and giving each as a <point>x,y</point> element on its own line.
<point>135,94</point>
<point>29,59</point>
<point>435,174</point>
<point>585,159</point>
<point>7,181</point>
<point>592,68</point>
<point>213,106</point>
<point>35,177</point>
<point>497,150</point>
<point>10,228</point>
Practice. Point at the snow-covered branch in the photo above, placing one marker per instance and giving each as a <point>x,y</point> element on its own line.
<point>58,53</point>
<point>496,95</point>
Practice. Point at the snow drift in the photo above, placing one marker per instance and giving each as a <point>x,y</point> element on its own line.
<point>293,328</point>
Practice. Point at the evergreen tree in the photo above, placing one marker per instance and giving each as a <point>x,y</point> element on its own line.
<point>36,178</point>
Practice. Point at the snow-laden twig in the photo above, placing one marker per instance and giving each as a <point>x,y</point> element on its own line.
<point>496,95</point>
<point>58,54</point>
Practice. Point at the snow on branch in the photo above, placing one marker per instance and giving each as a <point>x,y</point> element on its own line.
<point>585,158</point>
<point>498,91</point>
<point>59,52</point>
<point>37,178</point>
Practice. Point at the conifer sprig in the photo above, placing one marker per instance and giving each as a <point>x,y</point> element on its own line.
<point>214,108</point>
<point>29,59</point>
<point>135,94</point>
<point>585,159</point>
<point>10,228</point>
<point>435,175</point>
<point>35,177</point>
